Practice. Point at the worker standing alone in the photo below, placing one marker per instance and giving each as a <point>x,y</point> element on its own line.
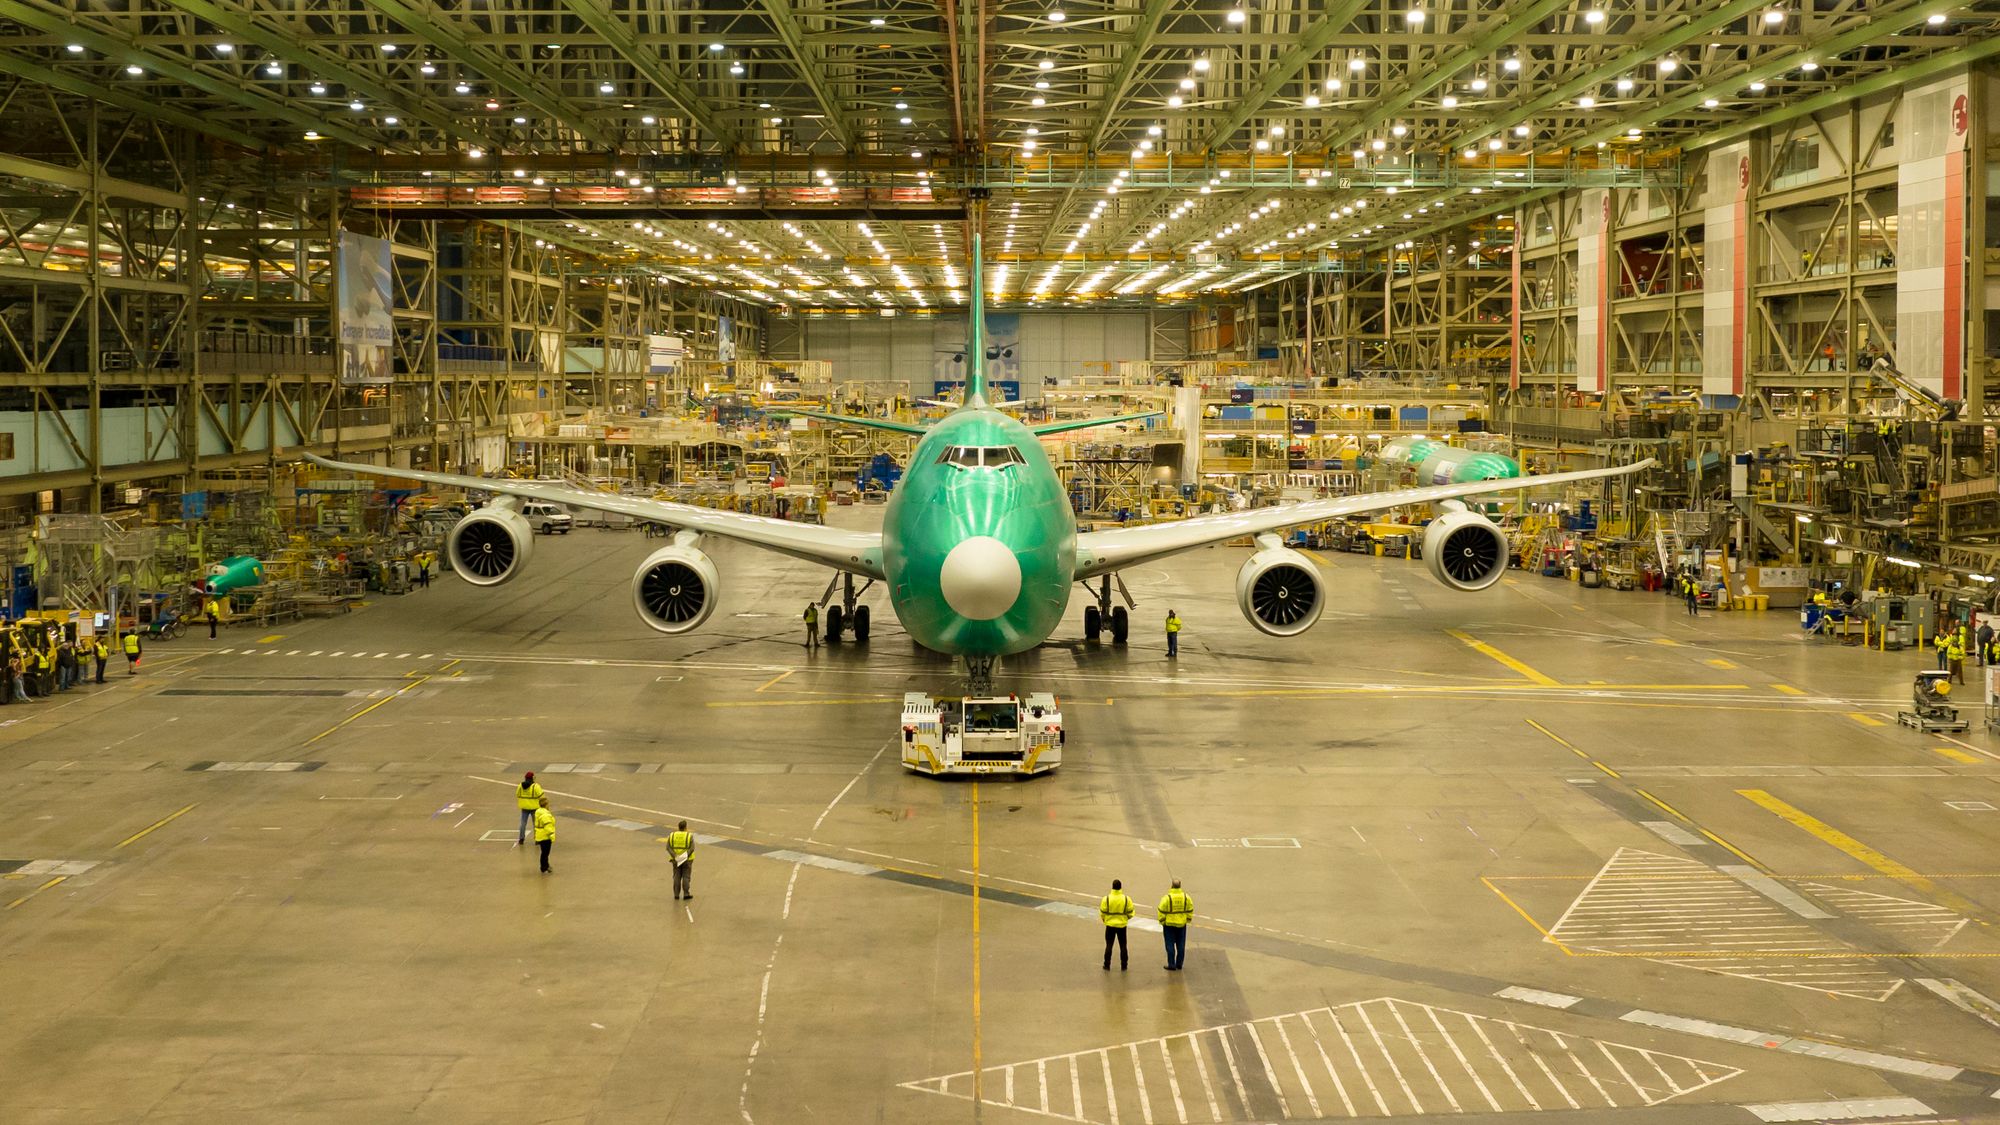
<point>680,846</point>
<point>812,625</point>
<point>1954,652</point>
<point>1176,911</point>
<point>101,650</point>
<point>545,831</point>
<point>1116,910</point>
<point>1173,633</point>
<point>212,610</point>
<point>528,797</point>
<point>1691,590</point>
<point>132,653</point>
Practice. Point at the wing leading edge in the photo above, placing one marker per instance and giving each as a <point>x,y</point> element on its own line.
<point>857,552</point>
<point>1100,552</point>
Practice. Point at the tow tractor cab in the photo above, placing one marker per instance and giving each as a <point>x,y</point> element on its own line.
<point>982,734</point>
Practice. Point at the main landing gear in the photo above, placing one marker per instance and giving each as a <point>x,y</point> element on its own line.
<point>849,615</point>
<point>1103,615</point>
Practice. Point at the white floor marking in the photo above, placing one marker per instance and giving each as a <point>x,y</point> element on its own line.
<point>1138,1089</point>
<point>1642,903</point>
<point>1965,999</point>
<point>1848,1110</point>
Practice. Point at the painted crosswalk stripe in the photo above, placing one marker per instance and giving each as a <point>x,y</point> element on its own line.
<point>1849,1109</point>
<point>314,652</point>
<point>342,652</point>
<point>402,656</point>
<point>1503,1066</point>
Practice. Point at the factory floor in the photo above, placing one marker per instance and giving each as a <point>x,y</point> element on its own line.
<point>1542,851</point>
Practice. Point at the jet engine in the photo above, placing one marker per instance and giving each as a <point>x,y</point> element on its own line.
<point>1280,591</point>
<point>489,546</point>
<point>675,589</point>
<point>1465,550</point>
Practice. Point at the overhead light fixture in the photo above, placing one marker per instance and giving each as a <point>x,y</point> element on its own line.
<point>876,21</point>
<point>1173,101</point>
<point>1449,101</point>
<point>1593,16</point>
<point>520,121</point>
<point>135,70</point>
<point>715,48</point>
<point>1238,15</point>
<point>1479,84</point>
<point>388,48</point>
<point>427,68</point>
<point>605,88</point>
<point>462,88</point>
<point>1046,64</point>
<point>1512,65</point>
<point>1312,101</point>
<point>1774,16</point>
<point>1358,63</point>
<point>391,121</point>
<point>1586,102</point>
<point>1710,103</point>
<point>355,106</point>
<point>225,48</point>
<point>318,87</point>
<point>1201,65</point>
<point>274,68</point>
<point>1414,17</point>
<point>1521,130</point>
<point>1668,64</point>
<point>1056,15</point>
<point>1936,19</point>
<point>736,68</point>
<point>1624,85</point>
<point>1809,66</point>
<point>75,48</point>
<point>475,153</point>
<point>1756,87</point>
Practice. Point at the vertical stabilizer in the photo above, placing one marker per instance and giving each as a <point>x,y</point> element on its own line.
<point>975,344</point>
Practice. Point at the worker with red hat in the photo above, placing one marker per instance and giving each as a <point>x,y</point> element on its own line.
<point>529,797</point>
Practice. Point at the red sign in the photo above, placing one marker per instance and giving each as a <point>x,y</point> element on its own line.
<point>1961,116</point>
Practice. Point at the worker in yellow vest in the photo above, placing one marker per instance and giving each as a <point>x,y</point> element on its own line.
<point>1173,633</point>
<point>1176,911</point>
<point>528,797</point>
<point>132,653</point>
<point>545,831</point>
<point>1954,654</point>
<point>101,650</point>
<point>212,610</point>
<point>680,845</point>
<point>1116,910</point>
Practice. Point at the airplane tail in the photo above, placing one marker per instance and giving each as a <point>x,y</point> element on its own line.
<point>975,345</point>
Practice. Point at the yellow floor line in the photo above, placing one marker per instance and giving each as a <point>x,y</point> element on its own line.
<point>150,828</point>
<point>1865,720</point>
<point>1486,650</point>
<point>398,694</point>
<point>1787,689</point>
<point>268,640</point>
<point>36,891</point>
<point>1957,755</point>
<point>1529,918</point>
<point>1834,837</point>
<point>1718,662</point>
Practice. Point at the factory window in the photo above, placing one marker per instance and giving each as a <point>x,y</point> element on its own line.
<point>1798,163</point>
<point>974,456</point>
<point>6,447</point>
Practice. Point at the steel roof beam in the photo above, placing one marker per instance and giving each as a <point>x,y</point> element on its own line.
<point>620,37</point>
<point>113,47</point>
<point>247,30</point>
<point>495,68</point>
<point>1325,29</point>
<point>789,32</point>
<point>69,84</point>
<point>1424,80</point>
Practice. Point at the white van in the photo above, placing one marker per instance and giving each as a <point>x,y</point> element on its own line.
<point>547,518</point>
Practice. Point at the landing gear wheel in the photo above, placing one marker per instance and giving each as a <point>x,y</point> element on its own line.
<point>1120,625</point>
<point>861,624</point>
<point>1093,623</point>
<point>834,623</point>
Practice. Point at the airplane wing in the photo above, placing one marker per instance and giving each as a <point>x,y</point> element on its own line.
<point>1086,423</point>
<point>852,420</point>
<point>857,552</point>
<point>1100,552</point>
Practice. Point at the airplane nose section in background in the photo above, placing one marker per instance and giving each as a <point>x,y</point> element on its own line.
<point>981,578</point>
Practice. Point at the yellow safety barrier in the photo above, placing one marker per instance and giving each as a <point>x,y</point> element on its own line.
<point>1751,601</point>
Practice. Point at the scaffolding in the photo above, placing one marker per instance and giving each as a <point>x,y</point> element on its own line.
<point>94,561</point>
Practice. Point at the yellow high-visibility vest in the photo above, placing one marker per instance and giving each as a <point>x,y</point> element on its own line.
<point>545,825</point>
<point>529,796</point>
<point>131,644</point>
<point>1116,909</point>
<point>1176,908</point>
<point>681,843</point>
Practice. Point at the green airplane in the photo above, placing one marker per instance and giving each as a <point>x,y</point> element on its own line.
<point>979,548</point>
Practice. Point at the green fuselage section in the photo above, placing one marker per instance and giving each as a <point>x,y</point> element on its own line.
<point>938,506</point>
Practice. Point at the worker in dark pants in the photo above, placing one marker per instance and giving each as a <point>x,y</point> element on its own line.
<point>812,626</point>
<point>1954,653</point>
<point>1173,633</point>
<point>212,611</point>
<point>132,653</point>
<point>1116,910</point>
<point>680,845</point>
<point>1691,590</point>
<point>1176,911</point>
<point>101,651</point>
<point>545,832</point>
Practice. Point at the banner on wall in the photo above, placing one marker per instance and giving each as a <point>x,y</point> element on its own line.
<point>367,321</point>
<point>725,339</point>
<point>1931,234</point>
<point>1725,272</point>
<point>1593,291</point>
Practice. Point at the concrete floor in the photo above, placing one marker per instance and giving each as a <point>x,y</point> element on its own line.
<point>1539,851</point>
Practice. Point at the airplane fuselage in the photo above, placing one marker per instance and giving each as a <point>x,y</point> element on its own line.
<point>979,542</point>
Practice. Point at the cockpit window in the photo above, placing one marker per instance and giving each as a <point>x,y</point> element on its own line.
<point>977,456</point>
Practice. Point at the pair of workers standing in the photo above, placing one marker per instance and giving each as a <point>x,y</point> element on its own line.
<point>1116,909</point>
<point>534,806</point>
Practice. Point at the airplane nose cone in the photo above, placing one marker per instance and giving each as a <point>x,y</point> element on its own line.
<point>981,578</point>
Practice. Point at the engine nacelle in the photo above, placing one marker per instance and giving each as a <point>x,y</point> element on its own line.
<point>1465,550</point>
<point>490,545</point>
<point>675,589</point>
<point>1280,592</point>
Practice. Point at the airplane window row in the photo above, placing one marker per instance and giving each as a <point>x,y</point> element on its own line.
<point>975,456</point>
